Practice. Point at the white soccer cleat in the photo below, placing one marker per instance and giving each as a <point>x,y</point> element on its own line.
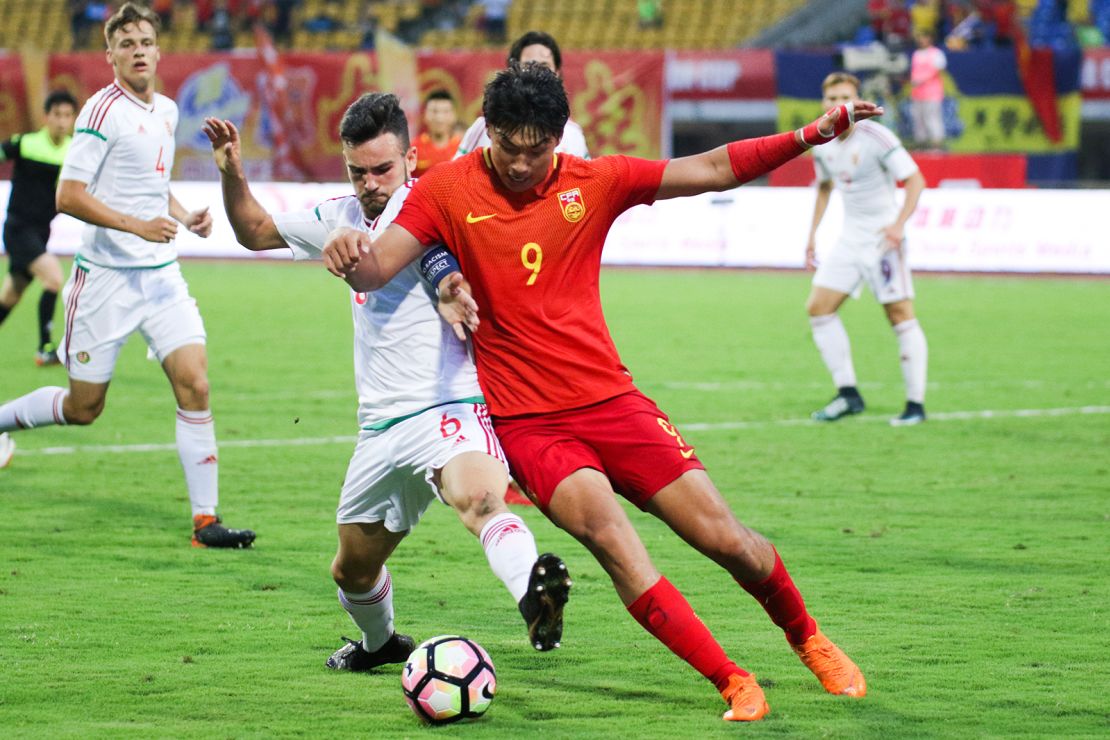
<point>7,449</point>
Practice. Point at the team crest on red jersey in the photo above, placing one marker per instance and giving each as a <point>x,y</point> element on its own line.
<point>574,208</point>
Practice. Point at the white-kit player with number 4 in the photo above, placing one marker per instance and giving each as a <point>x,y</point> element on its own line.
<point>116,178</point>
<point>425,431</point>
<point>865,163</point>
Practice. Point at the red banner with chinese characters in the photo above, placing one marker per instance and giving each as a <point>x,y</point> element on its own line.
<point>615,96</point>
<point>15,117</point>
<point>317,89</point>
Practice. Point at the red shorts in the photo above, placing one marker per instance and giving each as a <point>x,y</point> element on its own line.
<point>626,437</point>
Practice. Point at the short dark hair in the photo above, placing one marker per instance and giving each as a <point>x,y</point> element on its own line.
<point>536,37</point>
<point>439,94</point>
<point>372,115</point>
<point>529,98</point>
<point>59,97</point>
<point>130,13</point>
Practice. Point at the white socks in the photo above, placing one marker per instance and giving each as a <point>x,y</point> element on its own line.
<point>196,448</point>
<point>39,408</point>
<point>914,353</point>
<point>372,612</point>
<point>832,341</point>
<point>511,551</point>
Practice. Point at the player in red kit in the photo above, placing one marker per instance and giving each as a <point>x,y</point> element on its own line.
<point>527,227</point>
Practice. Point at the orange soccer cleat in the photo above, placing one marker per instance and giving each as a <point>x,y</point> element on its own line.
<point>836,671</point>
<point>745,699</point>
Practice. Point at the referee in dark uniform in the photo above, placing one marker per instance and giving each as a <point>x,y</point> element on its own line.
<point>38,158</point>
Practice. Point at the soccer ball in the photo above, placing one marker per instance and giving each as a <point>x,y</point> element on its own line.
<point>448,678</point>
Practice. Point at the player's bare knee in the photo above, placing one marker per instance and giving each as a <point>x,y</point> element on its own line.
<point>351,577</point>
<point>477,507</point>
<point>607,537</point>
<point>82,415</point>
<point>192,392</point>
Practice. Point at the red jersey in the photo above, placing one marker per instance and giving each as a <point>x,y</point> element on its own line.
<point>427,153</point>
<point>533,260</point>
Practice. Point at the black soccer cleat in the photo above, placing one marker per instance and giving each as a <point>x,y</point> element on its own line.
<point>914,414</point>
<point>209,531</point>
<point>843,404</point>
<point>352,656</point>
<point>542,605</point>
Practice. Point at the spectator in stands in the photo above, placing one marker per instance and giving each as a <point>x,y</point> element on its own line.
<point>534,47</point>
<point>369,29</point>
<point>927,91</point>
<point>650,12</point>
<point>164,9</point>
<point>877,12</point>
<point>494,15</point>
<point>926,16</point>
<point>223,37</point>
<point>441,135</point>
<point>1005,18</point>
<point>897,28</point>
<point>283,15</point>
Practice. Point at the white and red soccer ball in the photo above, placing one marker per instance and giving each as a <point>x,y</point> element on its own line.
<point>448,678</point>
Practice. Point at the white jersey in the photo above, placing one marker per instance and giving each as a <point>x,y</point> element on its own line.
<point>123,150</point>
<point>573,141</point>
<point>407,359</point>
<point>865,168</point>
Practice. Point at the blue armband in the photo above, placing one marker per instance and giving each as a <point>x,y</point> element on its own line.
<point>436,264</point>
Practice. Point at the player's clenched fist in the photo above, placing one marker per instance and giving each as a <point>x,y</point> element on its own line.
<point>160,230</point>
<point>344,249</point>
<point>456,306</point>
<point>836,121</point>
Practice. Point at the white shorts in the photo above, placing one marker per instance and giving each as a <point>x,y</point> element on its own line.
<point>884,271</point>
<point>105,305</point>
<point>391,476</point>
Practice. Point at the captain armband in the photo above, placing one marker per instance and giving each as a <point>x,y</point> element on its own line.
<point>436,264</point>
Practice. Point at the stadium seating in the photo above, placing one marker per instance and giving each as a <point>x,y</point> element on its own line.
<point>613,24</point>
<point>42,25</point>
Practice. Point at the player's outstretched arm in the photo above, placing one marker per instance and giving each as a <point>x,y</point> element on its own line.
<point>368,265</point>
<point>742,161</point>
<point>74,199</point>
<point>254,227</point>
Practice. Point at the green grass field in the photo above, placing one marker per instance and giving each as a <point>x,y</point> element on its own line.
<point>964,563</point>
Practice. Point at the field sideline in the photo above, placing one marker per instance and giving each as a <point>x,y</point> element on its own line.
<point>962,563</point>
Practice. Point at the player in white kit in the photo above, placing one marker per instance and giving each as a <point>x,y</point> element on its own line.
<point>425,432</point>
<point>534,47</point>
<point>865,164</point>
<point>125,278</point>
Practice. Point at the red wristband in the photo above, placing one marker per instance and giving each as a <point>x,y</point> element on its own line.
<point>812,136</point>
<point>751,158</point>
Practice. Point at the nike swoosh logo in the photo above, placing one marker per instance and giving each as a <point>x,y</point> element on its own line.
<point>687,453</point>
<point>472,219</point>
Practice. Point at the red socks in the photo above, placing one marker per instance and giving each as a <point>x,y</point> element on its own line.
<point>665,613</point>
<point>780,598</point>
